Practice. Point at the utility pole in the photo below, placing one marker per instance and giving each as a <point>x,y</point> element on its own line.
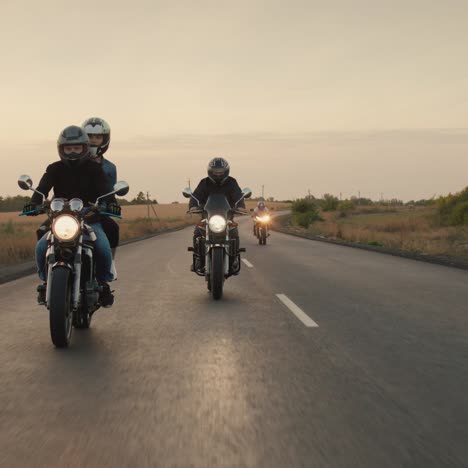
<point>263,192</point>
<point>189,184</point>
<point>147,205</point>
<point>341,196</point>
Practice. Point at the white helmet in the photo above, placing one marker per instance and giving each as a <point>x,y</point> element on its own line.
<point>97,126</point>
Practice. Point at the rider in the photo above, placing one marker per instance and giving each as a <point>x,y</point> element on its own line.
<point>98,131</point>
<point>260,210</point>
<point>75,176</point>
<point>218,181</point>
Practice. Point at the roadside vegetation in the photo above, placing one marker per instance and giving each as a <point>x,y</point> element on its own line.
<point>18,234</point>
<point>433,227</point>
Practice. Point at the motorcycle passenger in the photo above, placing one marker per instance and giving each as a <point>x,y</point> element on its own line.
<point>260,210</point>
<point>98,131</point>
<point>75,176</point>
<point>218,181</point>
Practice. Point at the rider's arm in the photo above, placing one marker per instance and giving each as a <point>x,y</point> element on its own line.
<point>200,194</point>
<point>236,194</point>
<point>101,183</point>
<point>111,172</point>
<point>45,185</point>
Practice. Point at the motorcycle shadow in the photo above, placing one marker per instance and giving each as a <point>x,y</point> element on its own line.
<point>230,299</point>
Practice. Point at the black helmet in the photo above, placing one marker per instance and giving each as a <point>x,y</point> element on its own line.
<point>218,170</point>
<point>77,143</point>
<point>98,126</point>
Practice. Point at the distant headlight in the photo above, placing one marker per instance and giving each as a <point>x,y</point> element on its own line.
<point>66,227</point>
<point>217,224</point>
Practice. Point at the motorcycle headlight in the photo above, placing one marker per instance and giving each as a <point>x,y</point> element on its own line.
<point>217,224</point>
<point>263,219</point>
<point>66,227</point>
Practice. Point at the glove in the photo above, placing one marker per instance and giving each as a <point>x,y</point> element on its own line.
<point>30,207</point>
<point>114,208</point>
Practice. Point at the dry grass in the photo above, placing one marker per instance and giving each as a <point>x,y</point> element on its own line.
<point>401,228</point>
<point>18,237</point>
<point>17,241</point>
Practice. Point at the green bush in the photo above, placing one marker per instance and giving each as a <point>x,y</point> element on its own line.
<point>305,212</point>
<point>305,219</point>
<point>452,210</point>
<point>459,214</point>
<point>330,202</point>
<point>303,205</point>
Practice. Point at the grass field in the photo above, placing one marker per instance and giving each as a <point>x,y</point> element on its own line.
<point>412,229</point>
<point>18,238</point>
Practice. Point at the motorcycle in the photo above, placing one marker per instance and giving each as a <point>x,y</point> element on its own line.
<point>216,256</point>
<point>262,227</point>
<point>72,293</point>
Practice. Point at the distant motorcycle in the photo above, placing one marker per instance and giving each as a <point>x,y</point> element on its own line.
<point>220,253</point>
<point>262,228</point>
<point>72,294</point>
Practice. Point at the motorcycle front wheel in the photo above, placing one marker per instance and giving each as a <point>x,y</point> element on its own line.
<point>60,311</point>
<point>217,273</point>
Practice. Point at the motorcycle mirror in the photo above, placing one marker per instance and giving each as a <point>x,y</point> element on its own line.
<point>121,188</point>
<point>25,182</point>
<point>247,193</point>
<point>187,193</point>
<point>251,209</point>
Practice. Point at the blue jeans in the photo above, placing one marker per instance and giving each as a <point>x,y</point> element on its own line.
<point>102,251</point>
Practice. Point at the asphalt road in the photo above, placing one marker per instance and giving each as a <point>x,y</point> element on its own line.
<point>169,378</point>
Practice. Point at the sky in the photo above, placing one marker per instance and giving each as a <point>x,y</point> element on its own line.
<point>327,96</point>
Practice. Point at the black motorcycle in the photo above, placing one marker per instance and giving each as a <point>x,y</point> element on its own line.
<point>72,294</point>
<point>216,256</point>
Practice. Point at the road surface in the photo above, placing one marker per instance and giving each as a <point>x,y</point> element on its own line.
<point>318,356</point>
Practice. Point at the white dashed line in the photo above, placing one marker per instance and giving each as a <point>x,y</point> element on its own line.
<point>247,263</point>
<point>297,311</point>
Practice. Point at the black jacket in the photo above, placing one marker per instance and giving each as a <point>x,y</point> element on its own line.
<point>87,182</point>
<point>206,187</point>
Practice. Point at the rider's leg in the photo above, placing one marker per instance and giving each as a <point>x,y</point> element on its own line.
<point>103,255</point>
<point>103,264</point>
<point>234,235</point>
<point>41,251</point>
<point>112,230</point>
<point>199,259</point>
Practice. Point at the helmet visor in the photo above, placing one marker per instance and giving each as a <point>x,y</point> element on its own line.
<point>74,151</point>
<point>218,172</point>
